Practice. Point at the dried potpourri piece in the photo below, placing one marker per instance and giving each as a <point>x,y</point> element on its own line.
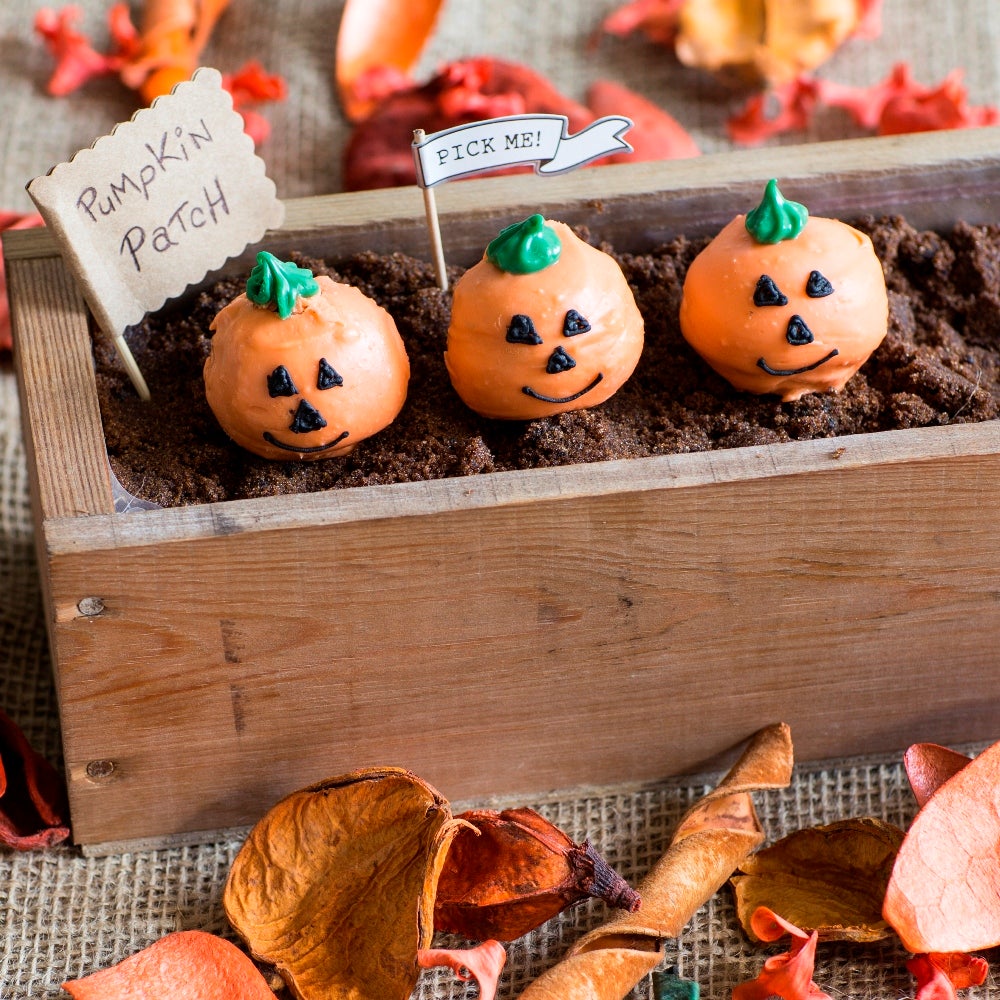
<point>163,51</point>
<point>33,806</point>
<point>484,963</point>
<point>186,965</point>
<point>713,837</point>
<point>939,977</point>
<point>829,879</point>
<point>508,872</point>
<point>379,40</point>
<point>770,40</point>
<point>944,891</point>
<point>788,975</point>
<point>655,135</point>
<point>335,885</point>
<point>929,766</point>
<point>896,105</point>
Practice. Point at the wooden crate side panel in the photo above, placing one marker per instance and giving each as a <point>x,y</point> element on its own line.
<point>67,459</point>
<point>587,640</point>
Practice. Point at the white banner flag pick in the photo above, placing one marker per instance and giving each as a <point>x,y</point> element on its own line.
<point>516,140</point>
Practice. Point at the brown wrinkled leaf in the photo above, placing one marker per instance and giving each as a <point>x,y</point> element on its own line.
<point>830,879</point>
<point>335,885</point>
<point>508,872</point>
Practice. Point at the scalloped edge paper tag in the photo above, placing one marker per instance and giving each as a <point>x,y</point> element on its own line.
<point>151,208</point>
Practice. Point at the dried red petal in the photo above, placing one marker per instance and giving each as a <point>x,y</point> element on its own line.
<point>788,975</point>
<point>32,794</point>
<point>484,963</point>
<point>76,59</point>
<point>251,85</point>
<point>899,104</point>
<point>784,108</point>
<point>940,975</point>
<point>655,134</point>
<point>657,19</point>
<point>379,152</point>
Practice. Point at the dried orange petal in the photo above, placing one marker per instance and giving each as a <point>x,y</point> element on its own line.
<point>830,879</point>
<point>335,885</point>
<point>186,965</point>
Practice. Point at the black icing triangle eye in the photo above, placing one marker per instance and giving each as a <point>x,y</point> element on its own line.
<point>574,323</point>
<point>328,377</point>
<point>767,293</point>
<point>522,331</point>
<point>818,287</point>
<point>279,383</point>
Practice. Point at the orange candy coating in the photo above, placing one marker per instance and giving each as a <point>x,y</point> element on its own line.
<point>751,345</point>
<point>491,374</point>
<point>341,327</point>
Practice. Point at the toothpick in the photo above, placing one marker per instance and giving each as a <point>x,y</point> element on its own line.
<point>132,367</point>
<point>433,224</point>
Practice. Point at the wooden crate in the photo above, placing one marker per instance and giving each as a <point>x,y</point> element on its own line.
<point>211,658</point>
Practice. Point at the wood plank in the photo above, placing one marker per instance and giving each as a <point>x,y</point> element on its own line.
<point>68,465</point>
<point>484,647</point>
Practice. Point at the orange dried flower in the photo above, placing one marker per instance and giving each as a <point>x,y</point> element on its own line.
<point>484,963</point>
<point>939,977</point>
<point>788,975</point>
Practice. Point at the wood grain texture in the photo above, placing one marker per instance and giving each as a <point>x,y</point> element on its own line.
<point>68,465</point>
<point>523,647</point>
<point>514,632</point>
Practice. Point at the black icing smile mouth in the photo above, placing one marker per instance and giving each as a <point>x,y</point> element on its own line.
<point>298,449</point>
<point>528,391</point>
<point>761,363</point>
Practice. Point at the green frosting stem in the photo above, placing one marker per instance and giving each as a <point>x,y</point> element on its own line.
<point>776,219</point>
<point>525,247</point>
<point>279,283</point>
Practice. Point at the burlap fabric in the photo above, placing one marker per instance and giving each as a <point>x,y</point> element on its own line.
<point>63,915</point>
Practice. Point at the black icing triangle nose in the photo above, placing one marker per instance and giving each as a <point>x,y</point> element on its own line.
<point>797,332</point>
<point>307,418</point>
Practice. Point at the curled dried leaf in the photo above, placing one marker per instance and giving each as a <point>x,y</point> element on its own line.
<point>942,895</point>
<point>829,879</point>
<point>335,885</point>
<point>186,965</point>
<point>711,840</point>
<point>508,872</point>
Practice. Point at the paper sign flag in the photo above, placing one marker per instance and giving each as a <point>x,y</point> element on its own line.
<point>151,208</point>
<point>515,140</point>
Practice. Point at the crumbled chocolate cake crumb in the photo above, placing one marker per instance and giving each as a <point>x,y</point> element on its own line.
<point>937,365</point>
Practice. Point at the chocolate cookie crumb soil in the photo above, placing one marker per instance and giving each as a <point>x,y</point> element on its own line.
<point>937,365</point>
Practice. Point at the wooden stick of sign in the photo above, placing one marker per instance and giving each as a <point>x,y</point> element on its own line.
<point>433,223</point>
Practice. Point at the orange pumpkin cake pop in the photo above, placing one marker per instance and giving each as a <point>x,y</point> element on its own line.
<point>303,367</point>
<point>544,323</point>
<point>784,303</point>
